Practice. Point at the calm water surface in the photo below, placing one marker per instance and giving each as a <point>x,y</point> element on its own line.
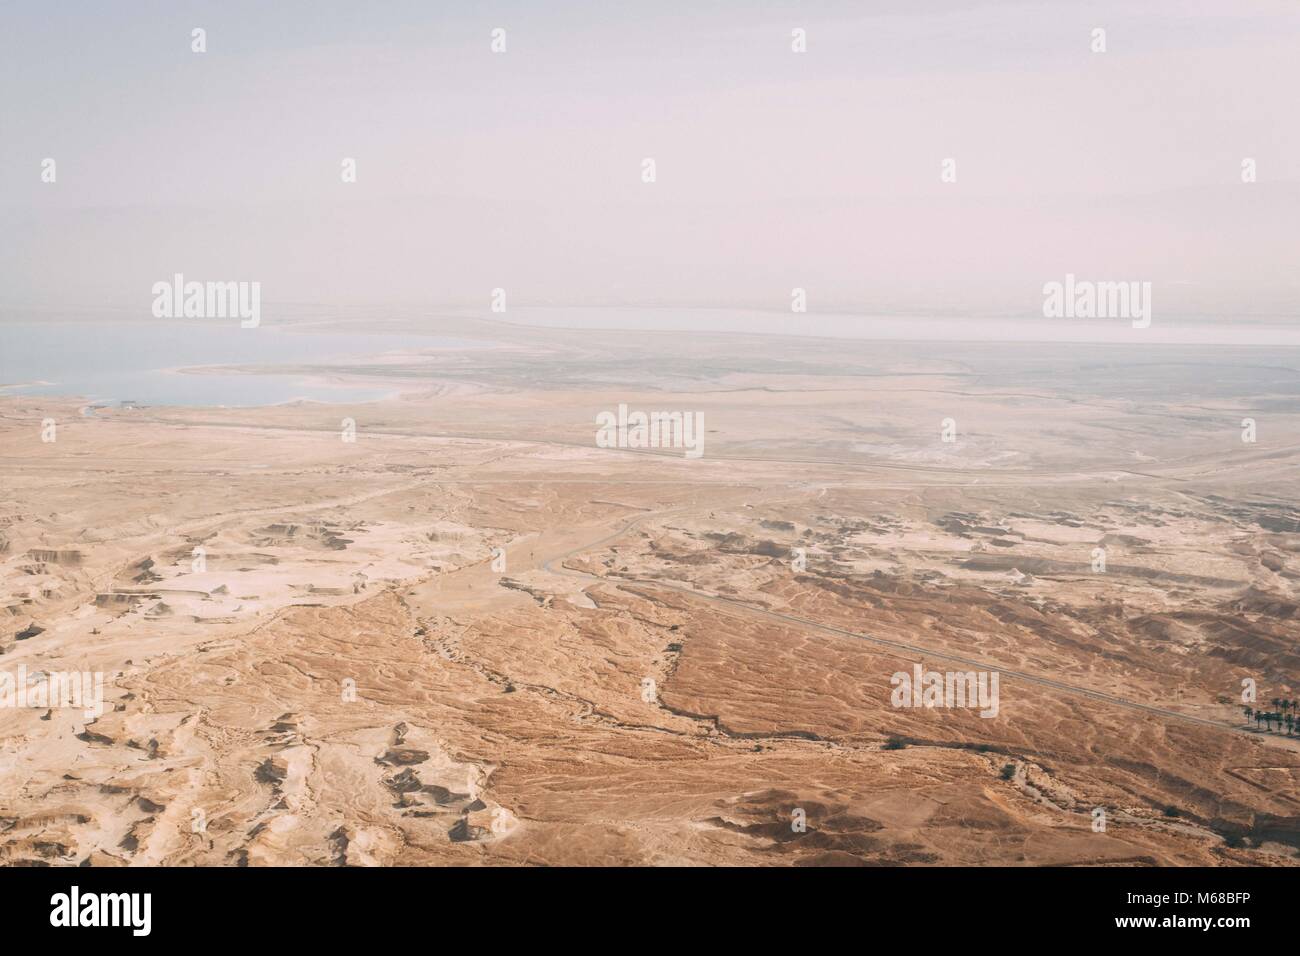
<point>140,361</point>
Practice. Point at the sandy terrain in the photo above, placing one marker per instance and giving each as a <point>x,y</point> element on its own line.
<point>471,636</point>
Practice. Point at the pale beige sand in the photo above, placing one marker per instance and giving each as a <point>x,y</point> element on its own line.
<point>499,715</point>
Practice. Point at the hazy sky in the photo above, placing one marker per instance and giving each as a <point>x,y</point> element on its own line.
<point>774,169</point>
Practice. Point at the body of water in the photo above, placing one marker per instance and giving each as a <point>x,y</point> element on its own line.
<point>141,361</point>
<point>1163,330</point>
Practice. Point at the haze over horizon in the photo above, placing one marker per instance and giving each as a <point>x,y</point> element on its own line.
<point>522,170</point>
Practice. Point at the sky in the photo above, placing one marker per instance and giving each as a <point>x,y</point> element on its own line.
<point>774,169</point>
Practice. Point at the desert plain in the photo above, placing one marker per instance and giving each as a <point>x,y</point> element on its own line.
<point>449,628</point>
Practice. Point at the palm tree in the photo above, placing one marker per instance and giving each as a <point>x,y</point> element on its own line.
<point>1289,720</point>
<point>1250,712</point>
